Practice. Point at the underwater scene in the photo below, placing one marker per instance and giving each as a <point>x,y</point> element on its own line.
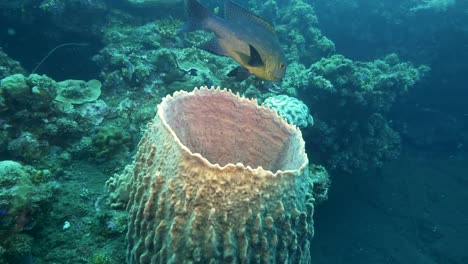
<point>233,131</point>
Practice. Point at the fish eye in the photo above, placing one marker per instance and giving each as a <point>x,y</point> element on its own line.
<point>281,65</point>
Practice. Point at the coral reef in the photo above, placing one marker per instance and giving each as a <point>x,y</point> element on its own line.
<point>67,14</point>
<point>77,91</point>
<point>203,190</point>
<point>153,57</point>
<point>108,140</point>
<point>147,58</point>
<point>9,66</point>
<point>25,195</point>
<point>62,116</point>
<point>351,102</point>
<point>56,125</point>
<point>15,85</point>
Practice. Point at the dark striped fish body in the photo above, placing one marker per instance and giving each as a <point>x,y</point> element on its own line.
<point>241,35</point>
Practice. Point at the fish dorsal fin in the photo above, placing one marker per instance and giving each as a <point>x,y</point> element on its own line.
<point>233,12</point>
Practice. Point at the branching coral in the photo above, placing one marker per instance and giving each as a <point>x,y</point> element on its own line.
<point>352,101</point>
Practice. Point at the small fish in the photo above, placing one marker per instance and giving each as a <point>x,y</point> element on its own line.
<point>241,35</point>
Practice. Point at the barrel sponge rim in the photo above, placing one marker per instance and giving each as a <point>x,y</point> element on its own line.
<point>259,171</point>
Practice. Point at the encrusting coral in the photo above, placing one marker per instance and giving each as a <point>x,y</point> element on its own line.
<point>218,179</point>
<point>68,92</point>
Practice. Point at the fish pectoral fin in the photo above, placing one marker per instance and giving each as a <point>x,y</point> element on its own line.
<point>244,58</point>
<point>252,60</point>
<point>255,58</point>
<point>240,73</point>
<point>214,46</point>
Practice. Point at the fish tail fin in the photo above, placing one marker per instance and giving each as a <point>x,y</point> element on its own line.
<point>196,14</point>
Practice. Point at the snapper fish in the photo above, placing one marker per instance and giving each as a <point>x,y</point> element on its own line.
<point>241,35</point>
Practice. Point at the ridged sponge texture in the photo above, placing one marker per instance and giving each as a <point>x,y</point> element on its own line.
<point>217,179</point>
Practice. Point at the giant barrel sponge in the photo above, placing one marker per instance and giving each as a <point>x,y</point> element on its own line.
<point>218,179</point>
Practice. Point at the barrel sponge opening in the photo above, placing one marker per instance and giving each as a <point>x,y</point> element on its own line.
<point>224,129</point>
